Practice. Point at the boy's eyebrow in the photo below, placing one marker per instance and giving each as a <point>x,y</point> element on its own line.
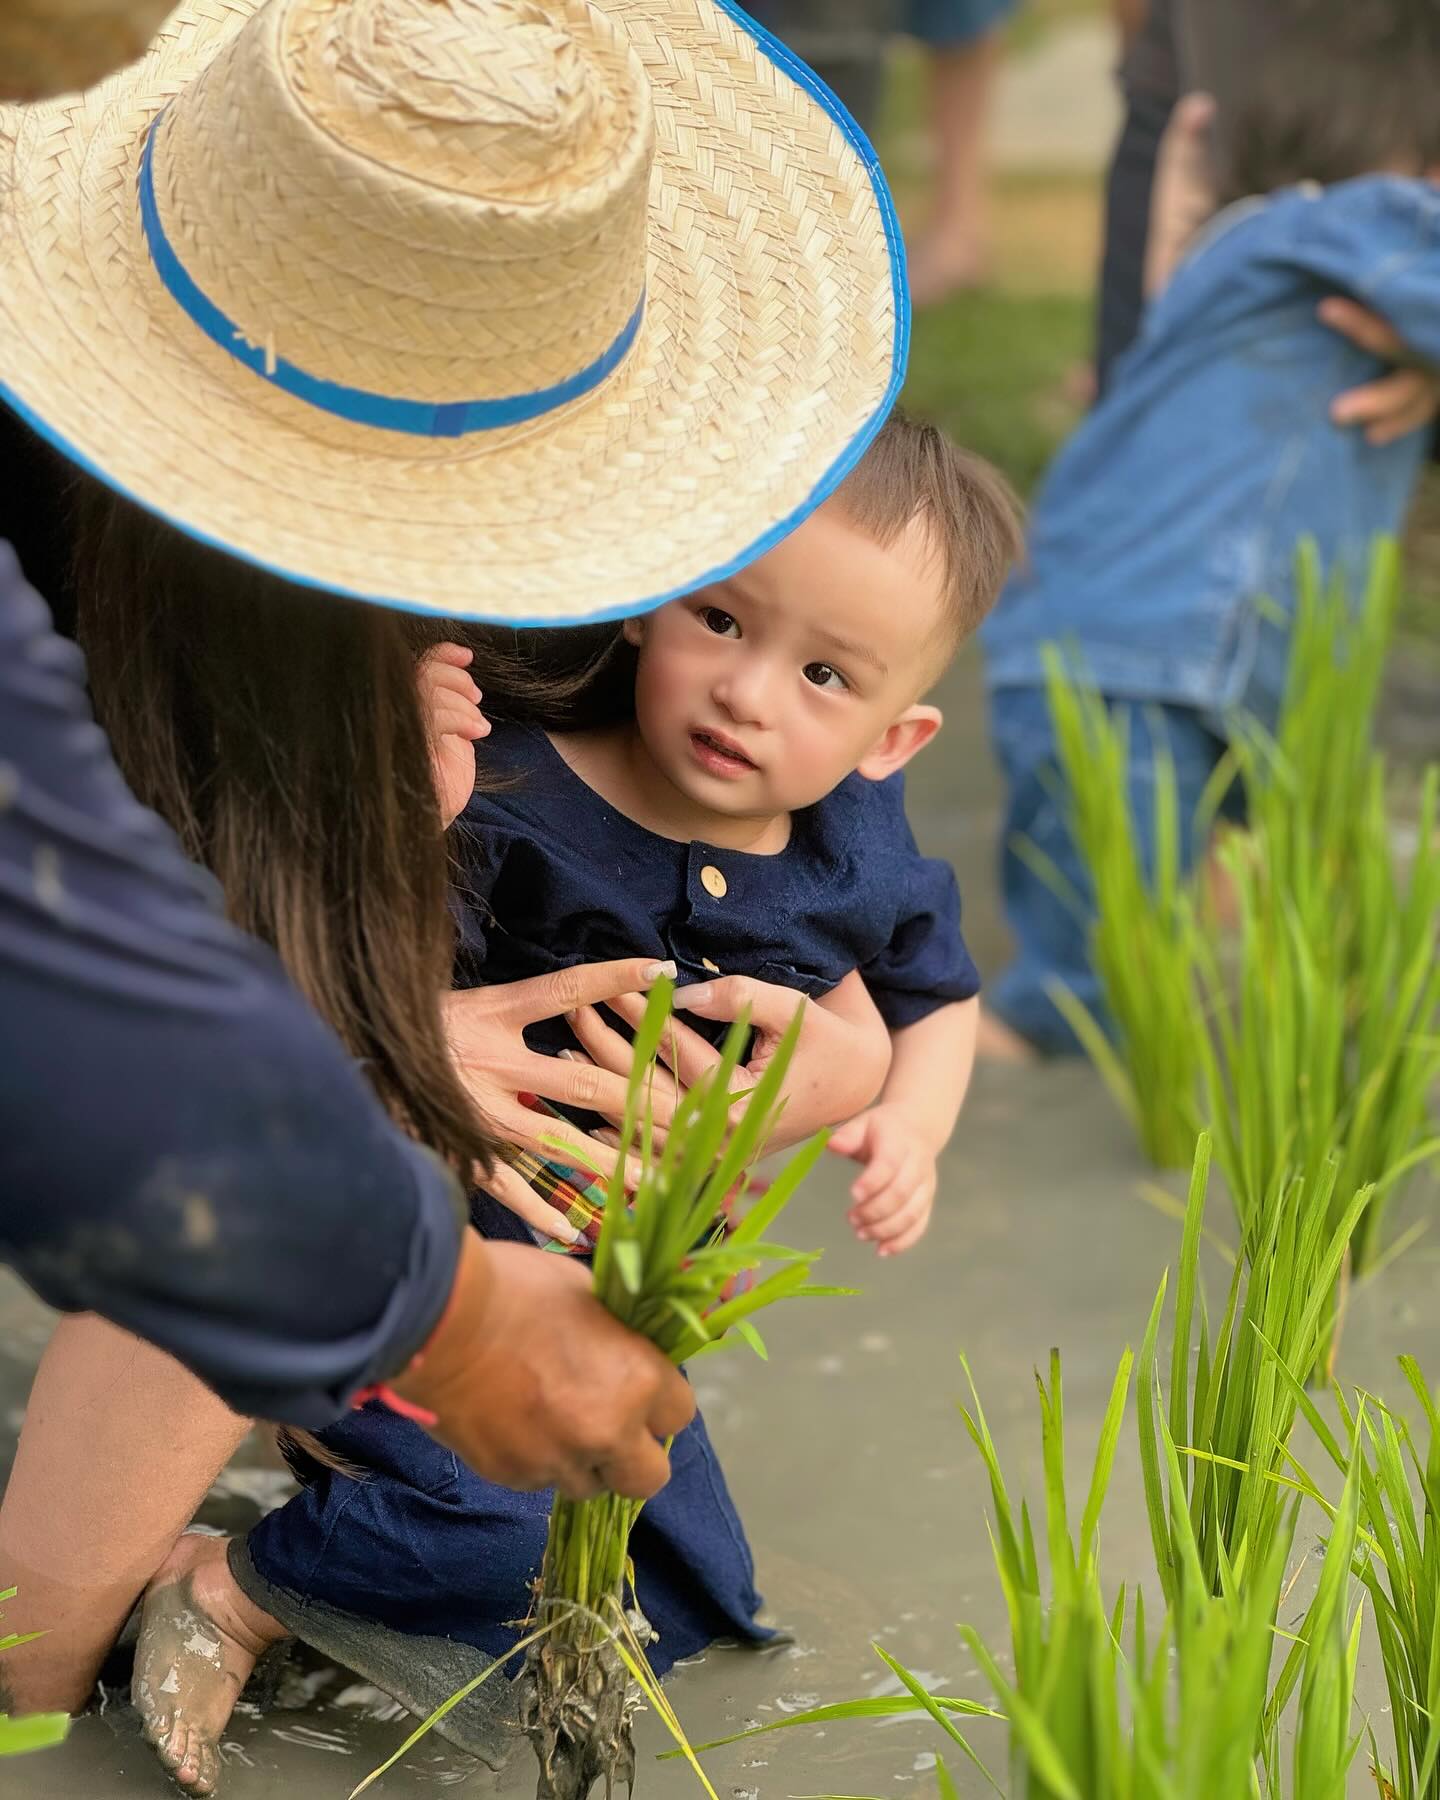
<point>861,652</point>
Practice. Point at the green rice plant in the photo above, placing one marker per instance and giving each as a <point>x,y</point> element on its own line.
<point>1140,930</point>
<point>666,1269</point>
<point>1398,1483</point>
<point>1307,786</point>
<point>1230,1408</point>
<point>40,1730</point>
<point>1325,1038</point>
<point>1315,1046</point>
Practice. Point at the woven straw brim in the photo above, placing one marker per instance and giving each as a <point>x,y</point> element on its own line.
<point>771,348</point>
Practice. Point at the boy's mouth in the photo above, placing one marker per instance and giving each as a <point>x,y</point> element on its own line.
<point>720,755</point>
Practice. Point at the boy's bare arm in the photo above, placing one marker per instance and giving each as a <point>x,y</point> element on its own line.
<point>931,1063</point>
<point>899,1140</point>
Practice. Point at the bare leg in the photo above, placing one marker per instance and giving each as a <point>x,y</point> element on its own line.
<point>200,1637</point>
<point>950,253</point>
<point>119,1447</point>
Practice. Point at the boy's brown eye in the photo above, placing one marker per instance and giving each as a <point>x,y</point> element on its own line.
<point>721,623</point>
<point>821,675</point>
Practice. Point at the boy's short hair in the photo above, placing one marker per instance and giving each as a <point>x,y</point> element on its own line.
<point>1340,88</point>
<point>912,470</point>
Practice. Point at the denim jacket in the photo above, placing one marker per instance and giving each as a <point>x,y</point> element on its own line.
<point>1179,503</point>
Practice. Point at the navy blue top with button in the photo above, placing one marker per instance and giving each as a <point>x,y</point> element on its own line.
<point>554,875</point>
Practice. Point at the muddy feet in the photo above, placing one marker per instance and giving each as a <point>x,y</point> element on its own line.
<point>200,1637</point>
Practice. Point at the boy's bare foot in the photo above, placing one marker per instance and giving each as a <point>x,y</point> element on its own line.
<point>200,1637</point>
<point>996,1042</point>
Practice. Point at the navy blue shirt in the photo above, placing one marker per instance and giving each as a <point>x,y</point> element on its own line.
<point>184,1147</point>
<point>553,875</point>
<point>1173,514</point>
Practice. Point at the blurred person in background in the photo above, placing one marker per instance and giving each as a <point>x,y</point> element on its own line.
<point>845,42</point>
<point>1291,188</point>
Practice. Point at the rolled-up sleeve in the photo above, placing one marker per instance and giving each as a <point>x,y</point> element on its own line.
<point>184,1147</point>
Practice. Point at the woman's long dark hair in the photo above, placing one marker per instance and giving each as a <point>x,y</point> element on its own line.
<point>279,733</point>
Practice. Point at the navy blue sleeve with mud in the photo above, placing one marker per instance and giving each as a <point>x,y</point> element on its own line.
<point>184,1147</point>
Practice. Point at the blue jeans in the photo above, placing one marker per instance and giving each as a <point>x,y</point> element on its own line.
<point>1051,937</point>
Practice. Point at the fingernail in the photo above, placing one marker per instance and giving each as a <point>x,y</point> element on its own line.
<point>654,971</point>
<point>700,994</point>
<point>566,1055</point>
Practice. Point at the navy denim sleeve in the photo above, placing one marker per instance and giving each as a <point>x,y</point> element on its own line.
<point>925,965</point>
<point>184,1147</point>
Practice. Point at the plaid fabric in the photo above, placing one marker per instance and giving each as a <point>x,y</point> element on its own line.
<point>580,1198</point>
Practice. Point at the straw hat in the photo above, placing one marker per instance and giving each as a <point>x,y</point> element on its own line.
<point>484,307</point>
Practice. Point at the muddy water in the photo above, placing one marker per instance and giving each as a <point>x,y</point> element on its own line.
<point>862,1496</point>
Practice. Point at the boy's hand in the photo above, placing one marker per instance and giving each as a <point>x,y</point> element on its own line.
<point>454,723</point>
<point>895,1193</point>
<point>1404,400</point>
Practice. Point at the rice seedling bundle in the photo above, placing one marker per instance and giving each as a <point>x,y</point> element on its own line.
<point>665,1268</point>
<point>1141,933</point>
<point>40,1730</point>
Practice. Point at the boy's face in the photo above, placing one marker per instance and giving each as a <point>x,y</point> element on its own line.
<point>759,695</point>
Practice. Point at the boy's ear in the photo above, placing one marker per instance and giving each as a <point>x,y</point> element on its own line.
<point>634,631</point>
<point>910,733</point>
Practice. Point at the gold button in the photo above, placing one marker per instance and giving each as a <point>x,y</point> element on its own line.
<point>706,963</point>
<point>714,882</point>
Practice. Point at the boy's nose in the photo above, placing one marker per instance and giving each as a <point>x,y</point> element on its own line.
<point>745,695</point>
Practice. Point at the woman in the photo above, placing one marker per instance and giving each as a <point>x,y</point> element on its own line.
<point>512,384</point>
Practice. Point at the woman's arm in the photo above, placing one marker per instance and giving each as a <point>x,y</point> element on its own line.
<point>186,1150</point>
<point>184,1147</point>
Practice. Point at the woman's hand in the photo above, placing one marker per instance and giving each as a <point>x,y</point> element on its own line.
<point>1390,408</point>
<point>454,724</point>
<point>486,1026</point>
<point>535,1385</point>
<point>840,1061</point>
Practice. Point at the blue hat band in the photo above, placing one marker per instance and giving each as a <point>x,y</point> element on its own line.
<point>421,418</point>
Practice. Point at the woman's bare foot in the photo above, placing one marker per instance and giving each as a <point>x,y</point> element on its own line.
<point>996,1042</point>
<point>200,1637</point>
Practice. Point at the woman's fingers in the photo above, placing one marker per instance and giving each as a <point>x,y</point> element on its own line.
<point>583,1086</point>
<point>767,1006</point>
<point>512,1190</point>
<point>682,1049</point>
<point>586,984</point>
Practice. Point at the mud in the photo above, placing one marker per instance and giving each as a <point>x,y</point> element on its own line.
<point>865,1504</point>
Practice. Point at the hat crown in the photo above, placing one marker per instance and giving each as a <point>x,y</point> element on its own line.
<point>499,99</point>
<point>443,202</point>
